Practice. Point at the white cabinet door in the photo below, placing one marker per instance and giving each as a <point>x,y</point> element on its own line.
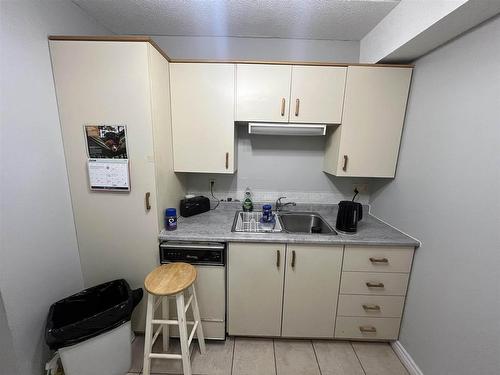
<point>317,94</point>
<point>202,97</point>
<point>367,142</point>
<point>255,288</point>
<point>262,92</point>
<point>311,290</point>
<point>107,83</point>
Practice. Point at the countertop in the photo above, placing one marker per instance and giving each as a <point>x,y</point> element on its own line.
<point>216,225</point>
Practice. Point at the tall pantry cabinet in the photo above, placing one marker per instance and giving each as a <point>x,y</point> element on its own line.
<point>117,83</point>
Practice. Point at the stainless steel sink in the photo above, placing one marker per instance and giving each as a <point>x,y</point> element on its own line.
<point>304,222</point>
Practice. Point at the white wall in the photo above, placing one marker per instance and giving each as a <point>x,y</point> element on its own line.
<point>39,261</point>
<point>7,356</point>
<point>274,49</point>
<point>278,165</point>
<point>446,193</point>
<point>405,22</point>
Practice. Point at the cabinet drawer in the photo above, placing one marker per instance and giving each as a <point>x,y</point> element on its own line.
<point>370,306</point>
<point>367,328</point>
<point>378,259</point>
<point>392,284</point>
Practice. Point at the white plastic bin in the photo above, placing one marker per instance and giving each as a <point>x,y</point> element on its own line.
<point>107,354</point>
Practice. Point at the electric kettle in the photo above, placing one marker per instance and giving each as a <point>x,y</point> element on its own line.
<point>348,216</point>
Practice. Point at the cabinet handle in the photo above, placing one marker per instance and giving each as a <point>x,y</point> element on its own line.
<point>293,258</point>
<point>148,205</point>
<point>368,329</point>
<point>344,167</point>
<point>374,285</point>
<point>278,256</point>
<point>379,260</point>
<point>371,307</point>
<point>297,106</point>
<point>227,160</point>
<point>282,106</point>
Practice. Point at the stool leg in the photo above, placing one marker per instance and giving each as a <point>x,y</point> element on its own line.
<point>197,318</point>
<point>148,335</point>
<point>181,317</point>
<point>165,313</point>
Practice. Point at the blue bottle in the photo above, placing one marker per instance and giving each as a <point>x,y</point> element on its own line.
<point>170,219</point>
<point>267,213</point>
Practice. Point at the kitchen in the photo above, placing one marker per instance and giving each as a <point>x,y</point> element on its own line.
<point>359,265</point>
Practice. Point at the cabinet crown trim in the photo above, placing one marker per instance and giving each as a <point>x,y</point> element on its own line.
<point>145,38</point>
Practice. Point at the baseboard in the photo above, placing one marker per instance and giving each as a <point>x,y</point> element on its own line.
<point>406,358</point>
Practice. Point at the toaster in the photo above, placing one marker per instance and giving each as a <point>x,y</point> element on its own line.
<point>194,206</point>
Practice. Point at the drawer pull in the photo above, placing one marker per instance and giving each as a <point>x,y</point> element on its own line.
<point>374,285</point>
<point>283,107</point>
<point>379,260</point>
<point>371,307</point>
<point>278,256</point>
<point>368,329</point>
<point>293,258</point>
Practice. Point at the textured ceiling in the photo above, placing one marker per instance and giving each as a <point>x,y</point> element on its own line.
<point>308,19</point>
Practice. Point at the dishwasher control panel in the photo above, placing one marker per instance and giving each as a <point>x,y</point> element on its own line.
<point>207,253</point>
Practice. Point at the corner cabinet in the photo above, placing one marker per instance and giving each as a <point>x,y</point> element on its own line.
<point>283,290</point>
<point>117,83</point>
<point>285,93</point>
<point>202,98</point>
<point>367,142</point>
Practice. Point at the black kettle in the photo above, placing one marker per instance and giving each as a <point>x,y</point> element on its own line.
<point>348,216</point>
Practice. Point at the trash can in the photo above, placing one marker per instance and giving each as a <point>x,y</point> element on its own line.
<point>91,329</point>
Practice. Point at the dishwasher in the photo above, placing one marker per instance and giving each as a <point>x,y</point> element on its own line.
<point>209,258</point>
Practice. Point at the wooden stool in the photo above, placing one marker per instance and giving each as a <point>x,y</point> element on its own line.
<point>172,280</point>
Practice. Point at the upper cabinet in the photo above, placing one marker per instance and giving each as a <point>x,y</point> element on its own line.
<point>263,92</point>
<point>317,94</point>
<point>285,93</point>
<point>202,97</point>
<point>367,142</point>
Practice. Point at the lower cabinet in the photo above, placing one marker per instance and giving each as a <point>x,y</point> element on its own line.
<point>313,291</point>
<point>372,292</point>
<point>255,288</point>
<point>312,278</point>
<point>283,290</point>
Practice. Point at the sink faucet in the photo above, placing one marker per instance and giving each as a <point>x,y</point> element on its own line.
<point>279,205</point>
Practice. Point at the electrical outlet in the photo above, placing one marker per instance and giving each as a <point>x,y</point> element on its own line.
<point>211,184</point>
<point>362,188</point>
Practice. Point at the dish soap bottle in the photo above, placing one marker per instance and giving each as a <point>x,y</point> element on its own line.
<point>247,201</point>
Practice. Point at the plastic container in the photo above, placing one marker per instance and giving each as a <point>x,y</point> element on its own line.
<point>109,353</point>
<point>91,329</point>
<point>90,312</point>
<point>170,219</point>
<point>267,213</point>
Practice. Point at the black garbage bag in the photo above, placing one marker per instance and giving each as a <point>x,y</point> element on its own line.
<point>90,313</point>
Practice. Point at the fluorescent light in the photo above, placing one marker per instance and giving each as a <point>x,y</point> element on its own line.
<point>286,129</point>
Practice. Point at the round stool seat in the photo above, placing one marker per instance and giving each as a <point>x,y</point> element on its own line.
<point>170,279</point>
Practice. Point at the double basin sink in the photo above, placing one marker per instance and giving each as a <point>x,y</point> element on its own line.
<point>287,221</point>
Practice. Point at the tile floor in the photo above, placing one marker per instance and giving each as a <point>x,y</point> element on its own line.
<point>254,356</point>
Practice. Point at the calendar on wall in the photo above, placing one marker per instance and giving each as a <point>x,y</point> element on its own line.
<point>108,163</point>
<point>109,174</point>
